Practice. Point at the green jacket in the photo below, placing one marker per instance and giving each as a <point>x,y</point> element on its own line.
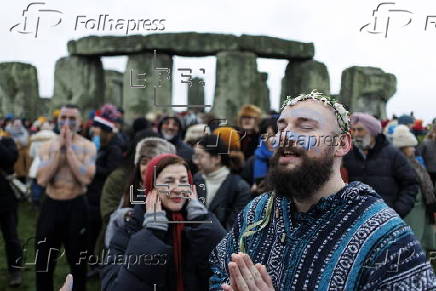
<point>113,189</point>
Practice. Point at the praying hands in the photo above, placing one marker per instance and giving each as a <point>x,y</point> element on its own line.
<point>244,275</point>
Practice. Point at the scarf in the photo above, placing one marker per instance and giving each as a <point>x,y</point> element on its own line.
<point>177,230</point>
<point>213,182</point>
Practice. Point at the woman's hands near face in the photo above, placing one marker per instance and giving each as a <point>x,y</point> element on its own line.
<point>194,194</point>
<point>153,202</point>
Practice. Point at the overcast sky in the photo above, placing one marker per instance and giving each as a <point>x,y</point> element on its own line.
<point>333,26</point>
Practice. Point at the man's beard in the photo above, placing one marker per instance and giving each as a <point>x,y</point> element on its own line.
<point>168,136</point>
<point>305,179</point>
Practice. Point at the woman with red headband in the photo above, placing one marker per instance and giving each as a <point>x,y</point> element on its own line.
<point>164,244</point>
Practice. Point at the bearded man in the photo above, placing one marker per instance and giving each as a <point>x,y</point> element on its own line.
<point>313,231</point>
<point>376,162</point>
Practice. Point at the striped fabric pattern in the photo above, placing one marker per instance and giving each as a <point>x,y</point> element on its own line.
<point>350,240</point>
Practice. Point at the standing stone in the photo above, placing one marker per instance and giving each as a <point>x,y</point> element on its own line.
<point>236,77</point>
<point>261,92</point>
<point>196,94</point>
<point>114,87</point>
<point>304,76</point>
<point>149,92</point>
<point>79,81</point>
<point>367,89</point>
<point>18,89</point>
<point>43,108</point>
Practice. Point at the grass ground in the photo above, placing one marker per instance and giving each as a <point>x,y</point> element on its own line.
<point>27,216</point>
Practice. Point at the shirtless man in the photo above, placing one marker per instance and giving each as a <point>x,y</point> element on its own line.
<point>67,167</point>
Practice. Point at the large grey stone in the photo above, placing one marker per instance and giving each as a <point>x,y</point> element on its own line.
<point>196,94</point>
<point>274,47</point>
<point>18,89</point>
<point>304,76</point>
<point>79,80</point>
<point>260,95</point>
<point>190,44</point>
<point>141,96</point>
<point>114,87</point>
<point>367,89</point>
<point>236,77</point>
<point>43,108</point>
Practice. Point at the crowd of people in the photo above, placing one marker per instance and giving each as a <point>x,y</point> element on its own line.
<point>306,198</point>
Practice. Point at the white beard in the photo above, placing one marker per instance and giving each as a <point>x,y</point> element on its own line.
<point>167,136</point>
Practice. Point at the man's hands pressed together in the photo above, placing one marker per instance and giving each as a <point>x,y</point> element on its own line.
<point>244,275</point>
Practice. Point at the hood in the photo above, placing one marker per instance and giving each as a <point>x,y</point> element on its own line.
<point>177,137</point>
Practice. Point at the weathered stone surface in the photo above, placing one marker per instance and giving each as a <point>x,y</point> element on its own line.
<point>43,108</point>
<point>191,44</point>
<point>260,96</point>
<point>139,94</point>
<point>196,94</point>
<point>304,76</point>
<point>367,89</point>
<point>18,89</point>
<point>236,77</point>
<point>274,47</point>
<point>114,87</point>
<point>80,81</point>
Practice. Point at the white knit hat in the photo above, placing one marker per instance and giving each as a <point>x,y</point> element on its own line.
<point>402,137</point>
<point>196,131</point>
<point>153,146</point>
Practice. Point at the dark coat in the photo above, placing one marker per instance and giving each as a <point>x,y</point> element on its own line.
<point>8,157</point>
<point>387,170</point>
<point>247,172</point>
<point>198,242</point>
<point>109,157</point>
<point>249,142</point>
<point>230,198</point>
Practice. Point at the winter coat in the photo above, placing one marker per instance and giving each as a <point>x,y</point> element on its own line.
<point>109,157</point>
<point>133,241</point>
<point>420,218</point>
<point>230,198</point>
<point>387,170</point>
<point>110,199</point>
<point>428,152</point>
<point>8,157</point>
<point>249,142</point>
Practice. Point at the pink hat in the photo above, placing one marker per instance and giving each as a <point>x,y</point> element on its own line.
<point>371,123</point>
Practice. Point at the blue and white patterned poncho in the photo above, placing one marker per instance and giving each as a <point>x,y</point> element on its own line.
<point>350,240</point>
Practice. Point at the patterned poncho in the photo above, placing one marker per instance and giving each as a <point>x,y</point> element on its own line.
<point>350,240</point>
